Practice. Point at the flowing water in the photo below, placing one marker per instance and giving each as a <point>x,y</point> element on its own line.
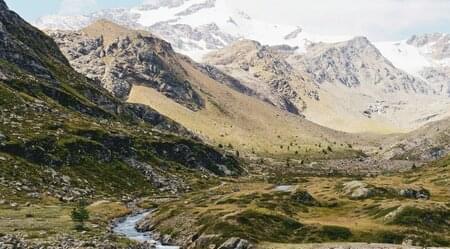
<point>127,228</point>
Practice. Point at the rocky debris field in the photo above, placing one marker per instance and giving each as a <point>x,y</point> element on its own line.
<point>16,242</point>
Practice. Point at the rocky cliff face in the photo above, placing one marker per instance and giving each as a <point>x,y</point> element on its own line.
<point>119,58</point>
<point>439,79</point>
<point>437,44</point>
<point>356,63</point>
<point>264,71</point>
<point>188,38</point>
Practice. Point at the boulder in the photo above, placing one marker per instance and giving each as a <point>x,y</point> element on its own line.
<point>421,193</point>
<point>357,190</point>
<point>204,241</point>
<point>236,243</point>
<point>2,137</point>
<point>303,197</point>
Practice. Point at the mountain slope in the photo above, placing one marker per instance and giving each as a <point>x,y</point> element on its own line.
<point>424,56</point>
<point>222,120</point>
<point>267,73</point>
<point>356,63</point>
<point>347,86</point>
<point>63,136</point>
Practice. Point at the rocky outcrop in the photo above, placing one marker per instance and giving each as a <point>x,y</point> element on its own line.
<point>165,183</point>
<point>119,58</point>
<point>208,160</point>
<point>360,190</point>
<point>439,78</point>
<point>146,114</point>
<point>428,143</point>
<point>226,79</point>
<point>156,4</point>
<point>305,198</point>
<point>357,190</point>
<point>412,193</point>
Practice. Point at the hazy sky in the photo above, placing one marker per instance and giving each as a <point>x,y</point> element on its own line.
<point>377,19</point>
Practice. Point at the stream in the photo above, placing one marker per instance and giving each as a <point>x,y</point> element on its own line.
<point>127,228</point>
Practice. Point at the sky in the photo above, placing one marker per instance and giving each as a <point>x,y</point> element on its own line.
<point>376,19</point>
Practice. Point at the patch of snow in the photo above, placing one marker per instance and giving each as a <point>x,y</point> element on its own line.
<point>404,56</point>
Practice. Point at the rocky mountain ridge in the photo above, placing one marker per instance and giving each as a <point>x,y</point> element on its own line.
<point>118,58</point>
<point>355,63</point>
<point>327,76</point>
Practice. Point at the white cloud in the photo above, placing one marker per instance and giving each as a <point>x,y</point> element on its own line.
<point>73,7</point>
<point>378,19</point>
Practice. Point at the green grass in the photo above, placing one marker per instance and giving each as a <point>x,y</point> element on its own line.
<point>432,220</point>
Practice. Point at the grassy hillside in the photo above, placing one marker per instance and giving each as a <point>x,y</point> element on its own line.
<point>63,135</point>
<point>240,122</point>
<point>411,206</point>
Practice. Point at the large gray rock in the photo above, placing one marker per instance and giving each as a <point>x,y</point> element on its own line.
<point>357,190</point>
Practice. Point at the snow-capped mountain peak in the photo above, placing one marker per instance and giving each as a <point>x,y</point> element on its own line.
<point>194,27</point>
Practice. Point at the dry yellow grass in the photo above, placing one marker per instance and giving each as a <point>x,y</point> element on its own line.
<point>246,123</point>
<point>104,211</point>
<point>110,31</point>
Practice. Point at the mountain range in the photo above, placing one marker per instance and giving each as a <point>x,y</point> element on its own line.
<point>190,124</point>
<point>373,85</point>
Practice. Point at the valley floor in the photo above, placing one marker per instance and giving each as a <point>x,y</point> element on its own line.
<point>271,210</point>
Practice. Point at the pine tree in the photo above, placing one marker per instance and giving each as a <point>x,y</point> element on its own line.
<point>80,215</point>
